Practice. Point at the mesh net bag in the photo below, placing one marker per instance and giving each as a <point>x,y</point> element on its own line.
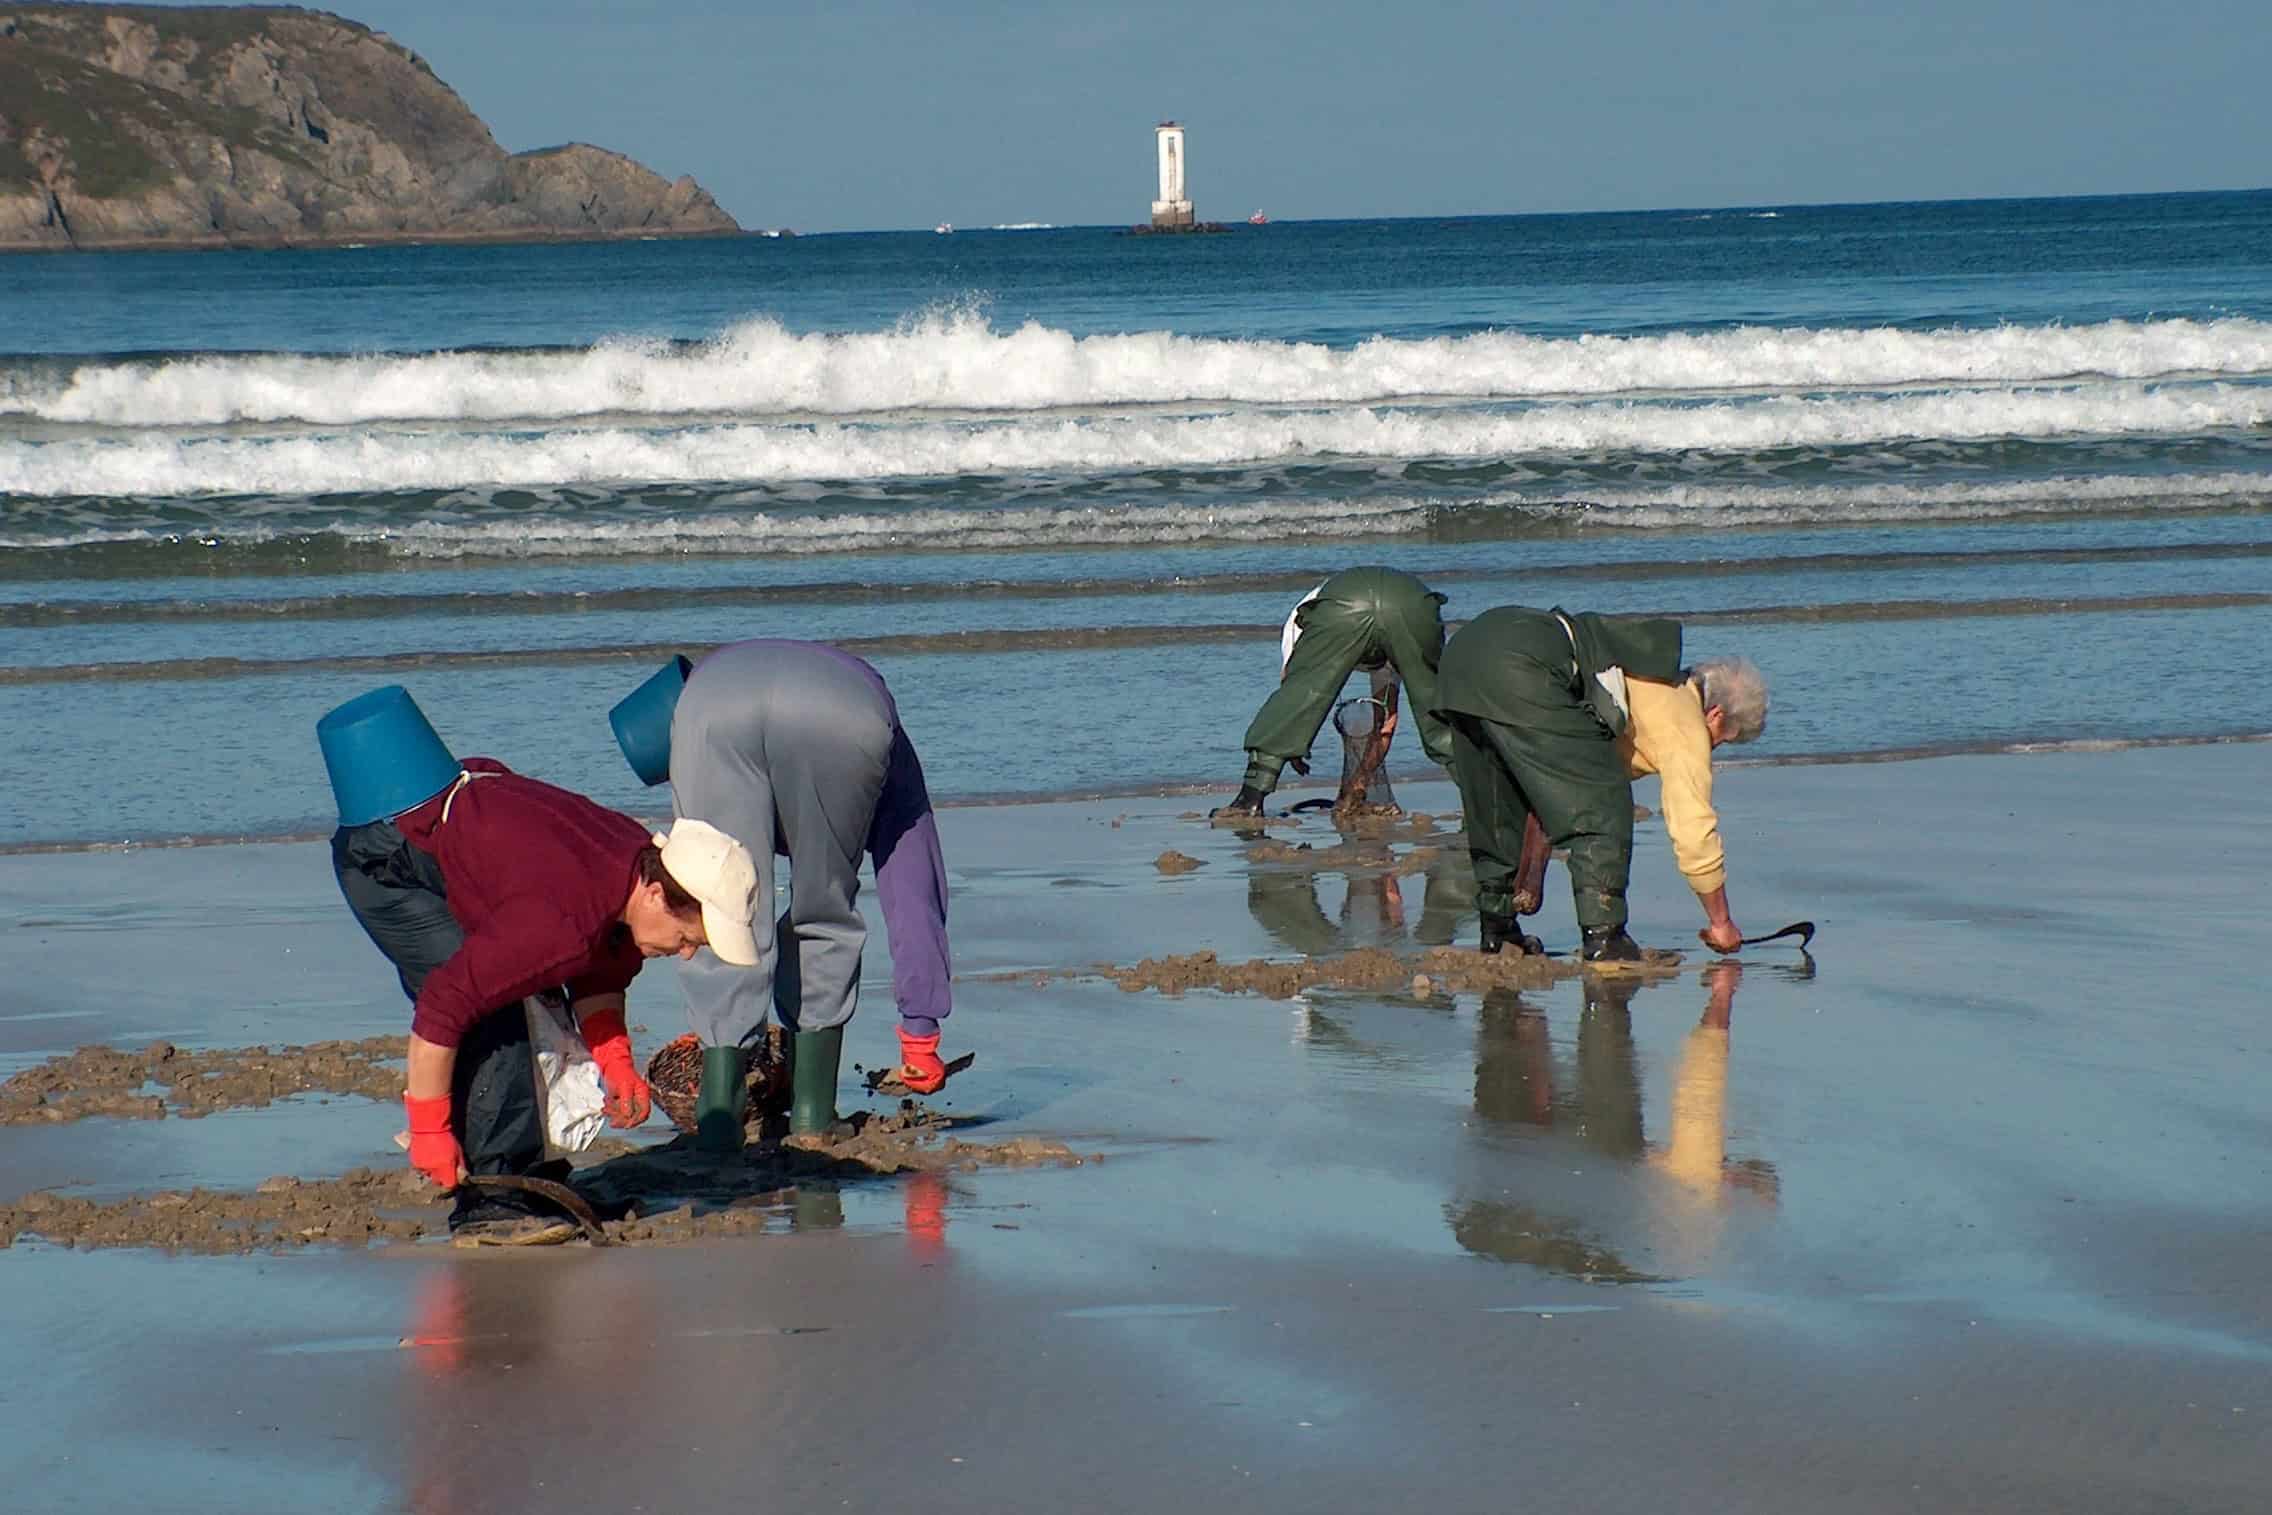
<point>674,1075</point>
<point>1364,758</point>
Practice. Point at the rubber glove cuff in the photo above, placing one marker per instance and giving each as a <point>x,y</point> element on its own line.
<point>919,1065</point>
<point>628,1098</point>
<point>433,1145</point>
<point>606,1038</point>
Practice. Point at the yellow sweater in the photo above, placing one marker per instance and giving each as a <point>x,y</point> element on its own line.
<point>1665,735</point>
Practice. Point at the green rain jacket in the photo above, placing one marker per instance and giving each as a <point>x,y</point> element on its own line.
<point>1497,664</point>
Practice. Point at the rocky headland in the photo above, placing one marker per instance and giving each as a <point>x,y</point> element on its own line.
<point>158,126</point>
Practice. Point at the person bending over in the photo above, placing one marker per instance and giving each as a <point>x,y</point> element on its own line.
<point>796,748</point>
<point>1553,714</point>
<point>1371,618</point>
<point>501,887</point>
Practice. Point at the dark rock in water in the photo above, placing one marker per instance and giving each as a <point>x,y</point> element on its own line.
<point>152,126</point>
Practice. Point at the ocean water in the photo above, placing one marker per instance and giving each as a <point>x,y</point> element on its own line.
<point>1962,475</point>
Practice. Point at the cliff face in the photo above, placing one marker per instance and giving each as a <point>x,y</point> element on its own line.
<point>138,125</point>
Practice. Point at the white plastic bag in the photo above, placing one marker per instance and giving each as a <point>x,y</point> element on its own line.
<point>568,1086</point>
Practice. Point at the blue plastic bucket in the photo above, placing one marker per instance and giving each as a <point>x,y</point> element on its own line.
<point>383,756</point>
<point>642,722</point>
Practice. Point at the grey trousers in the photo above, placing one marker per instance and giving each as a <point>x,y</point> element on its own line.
<point>785,754</point>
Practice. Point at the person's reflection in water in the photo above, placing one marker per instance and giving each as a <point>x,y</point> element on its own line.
<point>1696,1156</point>
<point>513,1365</point>
<point>926,1195</point>
<point>1519,1234</point>
<point>1688,1179</point>
<point>1597,1102</point>
<point>1609,1084</point>
<point>1448,900</point>
<point>1514,1062</point>
<point>1285,901</point>
<point>1515,1074</point>
<point>816,1207</point>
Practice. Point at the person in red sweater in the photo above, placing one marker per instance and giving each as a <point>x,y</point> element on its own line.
<point>501,887</point>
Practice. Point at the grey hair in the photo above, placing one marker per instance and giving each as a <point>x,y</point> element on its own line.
<point>1740,690</point>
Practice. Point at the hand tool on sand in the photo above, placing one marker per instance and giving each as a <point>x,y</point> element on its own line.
<point>1803,930</point>
<point>887,1080</point>
<point>559,1195</point>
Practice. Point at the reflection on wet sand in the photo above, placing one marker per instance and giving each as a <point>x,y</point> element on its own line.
<point>529,1370</point>
<point>1288,902</point>
<point>515,1362</point>
<point>1595,1101</point>
<point>642,1195</point>
<point>1518,1234</point>
<point>1516,1080</point>
<point>1696,1157</point>
<point>925,1197</point>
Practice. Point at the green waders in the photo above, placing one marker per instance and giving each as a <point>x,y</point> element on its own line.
<point>1360,614</point>
<point>1527,739</point>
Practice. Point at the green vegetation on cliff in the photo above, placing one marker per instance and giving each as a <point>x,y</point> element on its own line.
<point>106,118</point>
<point>146,125</point>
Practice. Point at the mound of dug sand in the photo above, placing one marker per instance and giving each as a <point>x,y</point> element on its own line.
<point>644,1195</point>
<point>354,1210</point>
<point>1451,969</point>
<point>108,1081</point>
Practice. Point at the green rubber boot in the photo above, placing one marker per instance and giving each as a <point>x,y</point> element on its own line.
<point>812,1081</point>
<point>718,1113</point>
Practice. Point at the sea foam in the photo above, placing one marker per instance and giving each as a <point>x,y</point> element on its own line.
<point>373,460</point>
<point>953,360</point>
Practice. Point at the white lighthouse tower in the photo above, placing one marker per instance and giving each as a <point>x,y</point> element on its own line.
<point>1172,210</point>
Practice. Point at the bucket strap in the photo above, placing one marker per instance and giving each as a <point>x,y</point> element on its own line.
<point>465,777</point>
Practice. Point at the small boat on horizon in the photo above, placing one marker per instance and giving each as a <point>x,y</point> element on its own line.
<point>944,227</point>
<point>1258,219</point>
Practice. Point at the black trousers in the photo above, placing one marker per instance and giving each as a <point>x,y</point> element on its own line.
<point>395,890</point>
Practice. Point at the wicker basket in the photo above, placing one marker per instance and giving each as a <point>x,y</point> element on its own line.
<point>674,1074</point>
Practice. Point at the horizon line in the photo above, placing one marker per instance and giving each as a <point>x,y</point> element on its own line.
<point>1041,224</point>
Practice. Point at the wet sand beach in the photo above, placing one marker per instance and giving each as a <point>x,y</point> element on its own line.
<point>1966,1210</point>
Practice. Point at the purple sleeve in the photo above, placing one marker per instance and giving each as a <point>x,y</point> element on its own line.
<point>911,886</point>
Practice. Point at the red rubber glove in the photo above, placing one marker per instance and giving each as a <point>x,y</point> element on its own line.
<point>433,1146</point>
<point>919,1065</point>
<point>628,1100</point>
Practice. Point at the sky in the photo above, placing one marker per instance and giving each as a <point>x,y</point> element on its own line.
<point>842,115</point>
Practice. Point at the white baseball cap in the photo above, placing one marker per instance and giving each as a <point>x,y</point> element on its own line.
<point>716,870</point>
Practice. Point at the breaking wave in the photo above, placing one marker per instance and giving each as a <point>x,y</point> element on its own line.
<point>953,360</point>
<point>148,465</point>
